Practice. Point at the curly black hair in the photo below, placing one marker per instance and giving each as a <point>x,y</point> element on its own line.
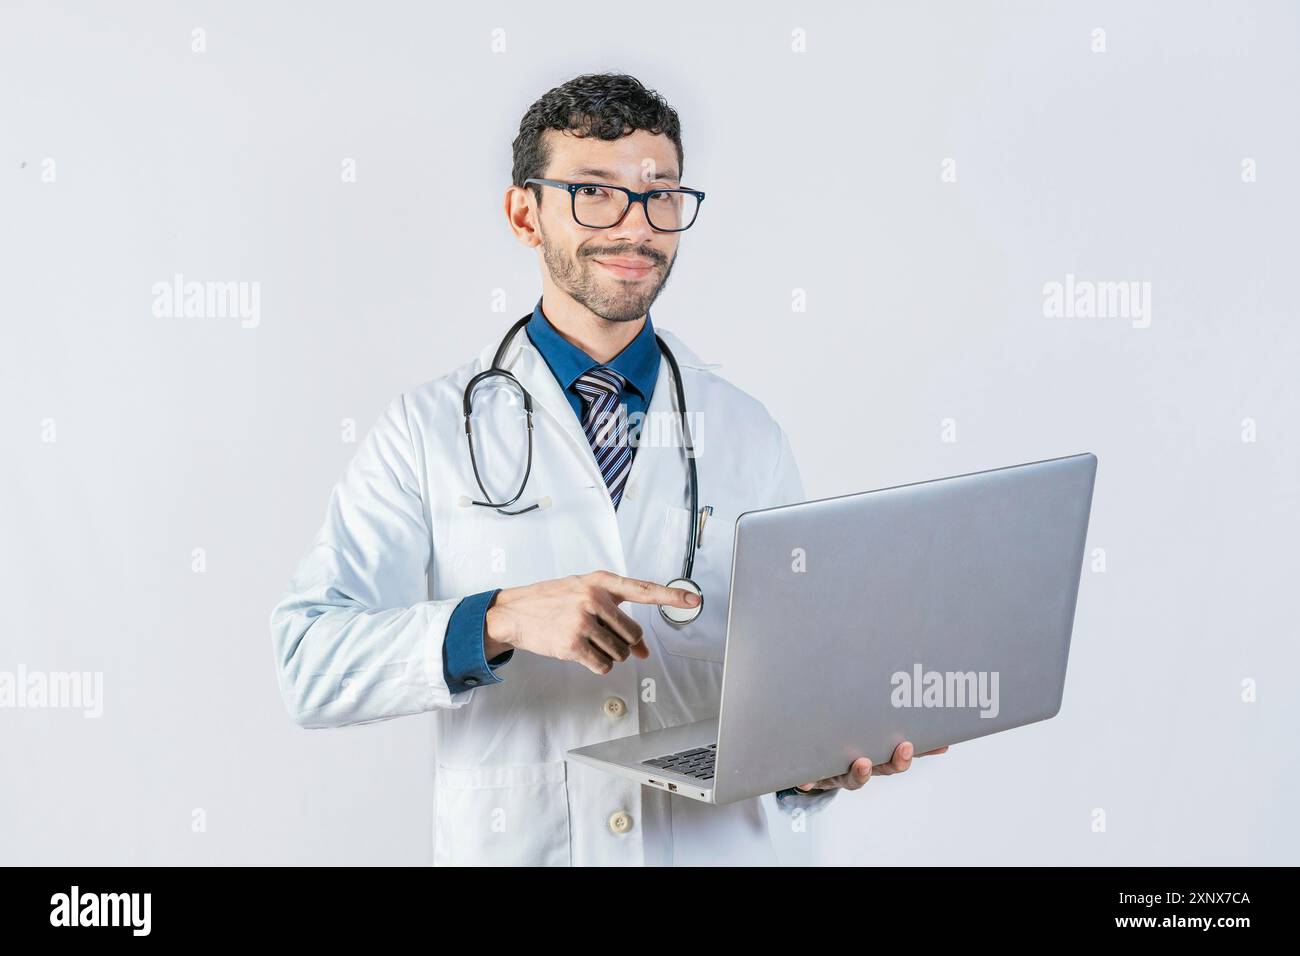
<point>605,105</point>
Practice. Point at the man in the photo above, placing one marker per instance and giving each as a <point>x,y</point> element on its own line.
<point>533,630</point>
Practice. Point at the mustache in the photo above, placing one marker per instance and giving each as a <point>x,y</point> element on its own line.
<point>658,258</point>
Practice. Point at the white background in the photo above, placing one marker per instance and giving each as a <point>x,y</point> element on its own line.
<point>823,173</point>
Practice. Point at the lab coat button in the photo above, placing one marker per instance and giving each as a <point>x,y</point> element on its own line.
<point>471,681</point>
<point>620,822</point>
<point>615,707</point>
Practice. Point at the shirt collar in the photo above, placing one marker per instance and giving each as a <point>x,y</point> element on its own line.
<point>638,363</point>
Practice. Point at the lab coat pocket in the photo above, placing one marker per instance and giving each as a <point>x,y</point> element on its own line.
<point>704,639</point>
<point>502,816</point>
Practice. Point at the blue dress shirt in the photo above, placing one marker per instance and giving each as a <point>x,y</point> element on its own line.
<point>463,660</point>
<point>638,363</point>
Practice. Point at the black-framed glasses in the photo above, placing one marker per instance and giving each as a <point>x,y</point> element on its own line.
<point>602,206</point>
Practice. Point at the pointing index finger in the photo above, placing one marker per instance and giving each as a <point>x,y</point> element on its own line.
<point>647,592</point>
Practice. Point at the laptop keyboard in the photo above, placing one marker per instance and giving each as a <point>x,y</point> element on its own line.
<point>697,763</point>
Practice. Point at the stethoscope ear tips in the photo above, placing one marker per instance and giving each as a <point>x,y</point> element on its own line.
<point>682,615</point>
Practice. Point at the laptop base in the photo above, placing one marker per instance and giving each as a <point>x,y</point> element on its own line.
<point>625,757</point>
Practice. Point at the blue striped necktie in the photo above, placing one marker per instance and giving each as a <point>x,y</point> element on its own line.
<point>606,426</point>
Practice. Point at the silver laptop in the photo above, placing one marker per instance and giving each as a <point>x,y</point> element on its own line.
<point>934,612</point>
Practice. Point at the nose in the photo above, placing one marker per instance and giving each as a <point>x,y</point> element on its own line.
<point>635,227</point>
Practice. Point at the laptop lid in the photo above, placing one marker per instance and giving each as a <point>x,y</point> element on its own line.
<point>934,612</point>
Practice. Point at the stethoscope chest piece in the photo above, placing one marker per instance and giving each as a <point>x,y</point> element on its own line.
<point>683,615</point>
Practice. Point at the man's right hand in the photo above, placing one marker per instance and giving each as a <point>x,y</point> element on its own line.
<point>576,618</point>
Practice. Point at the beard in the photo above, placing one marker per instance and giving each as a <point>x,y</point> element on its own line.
<point>607,296</point>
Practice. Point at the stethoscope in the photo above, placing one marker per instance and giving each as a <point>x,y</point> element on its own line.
<point>673,615</point>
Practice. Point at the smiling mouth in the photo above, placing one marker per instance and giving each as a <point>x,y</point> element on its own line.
<point>638,271</point>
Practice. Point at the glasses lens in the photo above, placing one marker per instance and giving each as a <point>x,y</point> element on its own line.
<point>670,210</point>
<point>598,207</point>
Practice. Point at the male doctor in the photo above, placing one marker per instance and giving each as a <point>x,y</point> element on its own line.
<point>536,632</point>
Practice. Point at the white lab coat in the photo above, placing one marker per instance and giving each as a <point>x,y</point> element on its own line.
<point>358,635</point>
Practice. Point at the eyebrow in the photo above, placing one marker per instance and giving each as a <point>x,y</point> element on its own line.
<point>668,175</point>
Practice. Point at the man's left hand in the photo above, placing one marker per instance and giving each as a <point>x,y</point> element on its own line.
<point>861,770</point>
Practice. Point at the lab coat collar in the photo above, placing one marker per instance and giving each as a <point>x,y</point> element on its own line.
<point>686,358</point>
